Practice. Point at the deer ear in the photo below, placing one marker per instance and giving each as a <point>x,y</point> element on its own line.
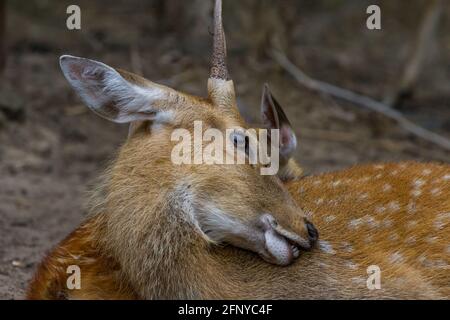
<point>273,117</point>
<point>106,92</point>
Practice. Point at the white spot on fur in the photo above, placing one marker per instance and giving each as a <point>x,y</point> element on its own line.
<point>355,223</point>
<point>319,201</point>
<point>436,192</point>
<point>351,265</point>
<point>421,258</point>
<point>387,187</point>
<point>380,209</point>
<point>394,206</point>
<point>411,224</point>
<point>446,177</point>
<point>441,220</point>
<point>439,224</point>
<point>396,257</point>
<point>364,196</point>
<point>411,207</point>
<point>394,172</point>
<point>444,216</point>
<point>323,265</point>
<point>329,218</point>
<point>410,240</point>
<point>378,176</point>
<point>379,166</point>
<point>336,183</point>
<point>317,182</point>
<point>372,222</point>
<point>418,183</point>
<point>346,246</point>
<point>431,239</point>
<point>426,172</point>
<point>333,202</point>
<point>440,264</point>
<point>326,247</point>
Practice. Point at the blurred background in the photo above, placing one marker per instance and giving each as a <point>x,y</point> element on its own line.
<point>51,146</point>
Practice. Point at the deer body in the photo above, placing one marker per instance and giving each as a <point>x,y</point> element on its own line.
<point>368,215</point>
<point>395,216</point>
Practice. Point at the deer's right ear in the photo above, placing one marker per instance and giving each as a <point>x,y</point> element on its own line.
<point>110,95</point>
<point>273,117</point>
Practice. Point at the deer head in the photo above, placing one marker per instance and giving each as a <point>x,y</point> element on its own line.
<point>223,203</point>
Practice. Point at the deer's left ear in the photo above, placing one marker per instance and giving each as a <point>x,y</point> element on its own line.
<point>119,97</point>
<point>273,117</point>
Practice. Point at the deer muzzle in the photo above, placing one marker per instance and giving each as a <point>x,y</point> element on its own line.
<point>282,246</point>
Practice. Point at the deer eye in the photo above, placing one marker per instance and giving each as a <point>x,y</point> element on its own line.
<point>241,141</point>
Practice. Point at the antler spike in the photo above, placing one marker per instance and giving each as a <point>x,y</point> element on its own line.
<point>219,56</point>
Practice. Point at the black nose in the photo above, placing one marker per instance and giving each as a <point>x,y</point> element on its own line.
<point>312,231</point>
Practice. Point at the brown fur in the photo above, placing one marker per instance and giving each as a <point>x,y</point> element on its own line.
<point>173,261</point>
<point>394,215</point>
<point>140,220</point>
<point>100,274</point>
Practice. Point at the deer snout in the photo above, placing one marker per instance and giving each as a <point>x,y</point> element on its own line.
<point>282,244</point>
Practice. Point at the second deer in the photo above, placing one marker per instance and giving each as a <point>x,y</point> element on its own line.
<point>394,216</point>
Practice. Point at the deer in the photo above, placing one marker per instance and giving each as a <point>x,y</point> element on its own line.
<point>392,215</point>
<point>144,195</point>
<point>160,231</point>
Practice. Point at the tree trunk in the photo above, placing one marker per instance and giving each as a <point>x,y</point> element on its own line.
<point>414,65</point>
<point>2,35</point>
<point>190,21</point>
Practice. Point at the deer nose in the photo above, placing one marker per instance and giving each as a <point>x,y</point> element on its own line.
<point>313,234</point>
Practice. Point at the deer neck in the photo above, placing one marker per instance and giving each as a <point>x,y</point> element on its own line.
<point>162,254</point>
<point>159,249</point>
<point>170,262</point>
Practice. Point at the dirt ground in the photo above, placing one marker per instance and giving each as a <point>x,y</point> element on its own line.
<point>52,147</point>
